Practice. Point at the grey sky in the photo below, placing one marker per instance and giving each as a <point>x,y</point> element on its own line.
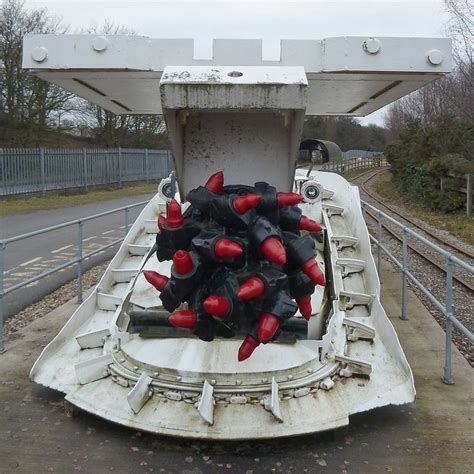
<point>268,20</point>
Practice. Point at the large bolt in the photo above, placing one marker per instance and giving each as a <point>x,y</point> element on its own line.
<point>100,43</point>
<point>435,57</point>
<point>372,46</point>
<point>39,54</point>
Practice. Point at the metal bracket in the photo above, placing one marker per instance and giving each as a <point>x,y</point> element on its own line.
<point>90,340</point>
<point>333,210</point>
<point>124,275</point>
<point>271,402</point>
<point>350,265</point>
<point>357,330</point>
<point>140,394</point>
<point>94,369</point>
<point>353,366</point>
<point>206,402</point>
<point>327,194</point>
<point>138,250</point>
<point>351,299</point>
<point>342,241</point>
<point>108,302</point>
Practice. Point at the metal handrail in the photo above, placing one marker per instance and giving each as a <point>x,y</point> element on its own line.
<point>80,257</point>
<point>445,308</point>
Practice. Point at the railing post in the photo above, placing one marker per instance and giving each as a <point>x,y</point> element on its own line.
<point>405,277</point>
<point>447,376</point>
<point>127,210</point>
<point>84,160</point>
<point>79,260</point>
<point>43,180</point>
<point>2,259</point>
<point>468,195</point>
<point>379,249</point>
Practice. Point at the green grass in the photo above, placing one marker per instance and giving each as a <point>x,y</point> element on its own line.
<point>23,205</point>
<point>457,224</point>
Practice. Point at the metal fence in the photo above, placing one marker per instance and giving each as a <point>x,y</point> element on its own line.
<point>445,307</point>
<point>347,155</point>
<point>77,260</point>
<point>344,166</point>
<point>37,170</point>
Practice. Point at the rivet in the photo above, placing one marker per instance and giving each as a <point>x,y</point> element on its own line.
<point>179,378</point>
<point>213,382</point>
<point>100,43</point>
<point>122,361</point>
<point>135,367</point>
<point>435,57</point>
<point>39,54</point>
<point>372,46</point>
<point>238,382</point>
<point>264,380</point>
<point>290,377</point>
<point>155,374</point>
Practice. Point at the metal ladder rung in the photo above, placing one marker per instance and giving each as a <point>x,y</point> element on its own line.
<point>124,275</point>
<point>351,299</point>
<point>108,302</point>
<point>137,250</point>
<point>333,210</point>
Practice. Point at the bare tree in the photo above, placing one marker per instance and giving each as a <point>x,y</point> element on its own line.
<point>27,100</point>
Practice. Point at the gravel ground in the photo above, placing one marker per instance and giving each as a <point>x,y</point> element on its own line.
<point>434,280</point>
<point>54,300</point>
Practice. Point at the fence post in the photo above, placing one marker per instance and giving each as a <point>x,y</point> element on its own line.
<point>447,376</point>
<point>127,210</point>
<point>4,179</point>
<point>2,257</point>
<point>379,249</point>
<point>84,159</point>
<point>146,166</point>
<point>43,181</point>
<point>405,277</point>
<point>120,166</point>
<point>79,260</point>
<point>468,195</point>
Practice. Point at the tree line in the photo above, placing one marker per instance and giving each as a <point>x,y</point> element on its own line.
<point>33,110</point>
<point>432,130</point>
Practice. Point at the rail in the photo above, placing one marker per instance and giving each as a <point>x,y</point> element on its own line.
<point>80,257</point>
<point>446,307</point>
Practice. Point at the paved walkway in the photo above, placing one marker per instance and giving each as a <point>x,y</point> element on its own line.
<point>434,434</point>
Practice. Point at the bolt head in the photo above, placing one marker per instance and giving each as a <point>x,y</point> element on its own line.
<point>39,54</point>
<point>372,46</point>
<point>435,57</point>
<point>100,43</point>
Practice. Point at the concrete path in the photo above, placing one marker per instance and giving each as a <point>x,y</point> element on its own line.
<point>433,435</point>
<point>31,257</point>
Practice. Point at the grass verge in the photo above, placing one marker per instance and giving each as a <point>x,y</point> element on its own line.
<point>457,224</point>
<point>23,205</point>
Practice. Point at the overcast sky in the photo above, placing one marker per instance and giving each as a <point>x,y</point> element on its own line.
<point>268,20</point>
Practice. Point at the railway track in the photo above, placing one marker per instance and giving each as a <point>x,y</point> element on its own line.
<point>367,177</point>
<point>419,250</point>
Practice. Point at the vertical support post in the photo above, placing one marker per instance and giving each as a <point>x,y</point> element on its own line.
<point>147,168</point>
<point>80,229</point>
<point>4,173</point>
<point>84,163</point>
<point>43,180</point>
<point>2,260</point>
<point>120,166</point>
<point>379,249</point>
<point>405,277</point>
<point>127,210</point>
<point>448,376</point>
<point>468,195</point>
